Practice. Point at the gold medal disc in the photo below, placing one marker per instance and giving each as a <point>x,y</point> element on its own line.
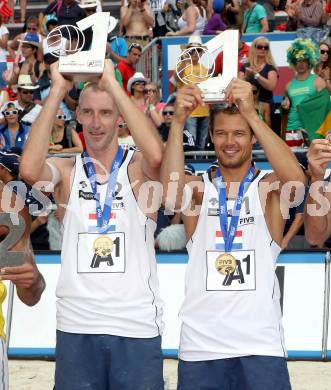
<point>103,246</point>
<point>225,264</point>
<point>328,137</point>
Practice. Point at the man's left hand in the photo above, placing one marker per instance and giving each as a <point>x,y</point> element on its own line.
<point>239,92</point>
<point>23,276</point>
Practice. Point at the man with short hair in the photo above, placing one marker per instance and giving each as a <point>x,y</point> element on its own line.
<point>108,309</point>
<point>255,18</point>
<point>127,66</point>
<point>137,18</point>
<point>168,113</point>
<point>234,228</point>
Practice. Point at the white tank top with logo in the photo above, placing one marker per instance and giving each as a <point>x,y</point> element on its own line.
<point>108,283</point>
<point>239,314</point>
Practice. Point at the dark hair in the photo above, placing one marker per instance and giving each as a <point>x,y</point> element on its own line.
<point>221,109</point>
<point>328,62</point>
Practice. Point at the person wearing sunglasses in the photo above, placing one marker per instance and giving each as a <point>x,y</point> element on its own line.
<point>323,69</point>
<point>136,87</point>
<point>168,113</point>
<point>261,70</point>
<point>64,139</point>
<point>152,100</point>
<point>29,109</point>
<point>31,27</point>
<point>13,133</point>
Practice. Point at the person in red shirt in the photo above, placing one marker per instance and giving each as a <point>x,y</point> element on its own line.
<point>243,52</point>
<point>127,66</point>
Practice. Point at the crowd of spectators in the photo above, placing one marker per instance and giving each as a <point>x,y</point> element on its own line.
<point>25,64</point>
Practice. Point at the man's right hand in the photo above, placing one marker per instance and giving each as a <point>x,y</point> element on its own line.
<point>319,156</point>
<point>187,100</point>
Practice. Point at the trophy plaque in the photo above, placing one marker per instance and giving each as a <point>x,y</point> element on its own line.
<point>66,42</point>
<point>213,88</point>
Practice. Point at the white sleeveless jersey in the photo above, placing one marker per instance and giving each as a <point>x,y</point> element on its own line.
<point>239,314</point>
<point>108,286</point>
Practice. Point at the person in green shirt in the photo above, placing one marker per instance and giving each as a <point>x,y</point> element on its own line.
<point>303,55</point>
<point>255,18</point>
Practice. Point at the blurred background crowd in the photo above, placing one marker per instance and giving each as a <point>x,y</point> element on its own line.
<point>135,27</point>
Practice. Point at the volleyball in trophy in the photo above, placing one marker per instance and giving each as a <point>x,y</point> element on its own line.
<point>67,42</point>
<point>196,64</point>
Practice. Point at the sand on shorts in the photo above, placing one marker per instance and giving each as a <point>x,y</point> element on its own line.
<point>39,374</point>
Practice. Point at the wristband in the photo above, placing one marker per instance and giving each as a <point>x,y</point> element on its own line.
<point>151,107</point>
<point>257,76</point>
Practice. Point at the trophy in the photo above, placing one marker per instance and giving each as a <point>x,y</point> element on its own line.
<point>66,43</point>
<point>9,258</point>
<point>213,88</point>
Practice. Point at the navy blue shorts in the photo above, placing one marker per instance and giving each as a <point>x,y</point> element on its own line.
<point>104,362</point>
<point>242,373</point>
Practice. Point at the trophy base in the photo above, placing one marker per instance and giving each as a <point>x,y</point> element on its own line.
<point>214,97</point>
<point>77,78</point>
<point>213,90</point>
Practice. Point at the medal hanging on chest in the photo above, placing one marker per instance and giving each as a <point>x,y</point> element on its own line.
<point>226,262</point>
<point>103,244</point>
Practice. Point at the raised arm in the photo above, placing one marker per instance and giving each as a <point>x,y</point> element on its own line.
<point>172,169</point>
<point>145,136</point>
<point>284,164</point>
<point>28,280</point>
<point>317,217</point>
<point>33,165</point>
<point>126,15</point>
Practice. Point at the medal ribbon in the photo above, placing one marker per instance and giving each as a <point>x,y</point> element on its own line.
<point>103,216</point>
<point>229,235</point>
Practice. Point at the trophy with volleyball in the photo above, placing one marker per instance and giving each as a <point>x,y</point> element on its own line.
<point>67,42</point>
<point>196,64</point>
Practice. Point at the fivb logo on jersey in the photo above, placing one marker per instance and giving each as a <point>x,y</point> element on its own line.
<point>214,211</point>
<point>87,194</point>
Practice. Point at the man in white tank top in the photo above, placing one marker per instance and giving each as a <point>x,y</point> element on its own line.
<point>231,336</point>
<point>109,314</point>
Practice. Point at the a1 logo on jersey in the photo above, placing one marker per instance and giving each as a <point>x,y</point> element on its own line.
<point>242,279</point>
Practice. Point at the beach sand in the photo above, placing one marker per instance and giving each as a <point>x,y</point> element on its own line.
<point>38,375</point>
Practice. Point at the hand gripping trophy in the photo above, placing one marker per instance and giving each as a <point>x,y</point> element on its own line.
<point>66,43</point>
<point>196,64</point>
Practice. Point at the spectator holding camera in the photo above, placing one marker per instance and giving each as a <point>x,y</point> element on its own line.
<point>137,18</point>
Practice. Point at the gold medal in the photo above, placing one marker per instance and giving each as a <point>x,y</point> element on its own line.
<point>225,264</point>
<point>103,246</point>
